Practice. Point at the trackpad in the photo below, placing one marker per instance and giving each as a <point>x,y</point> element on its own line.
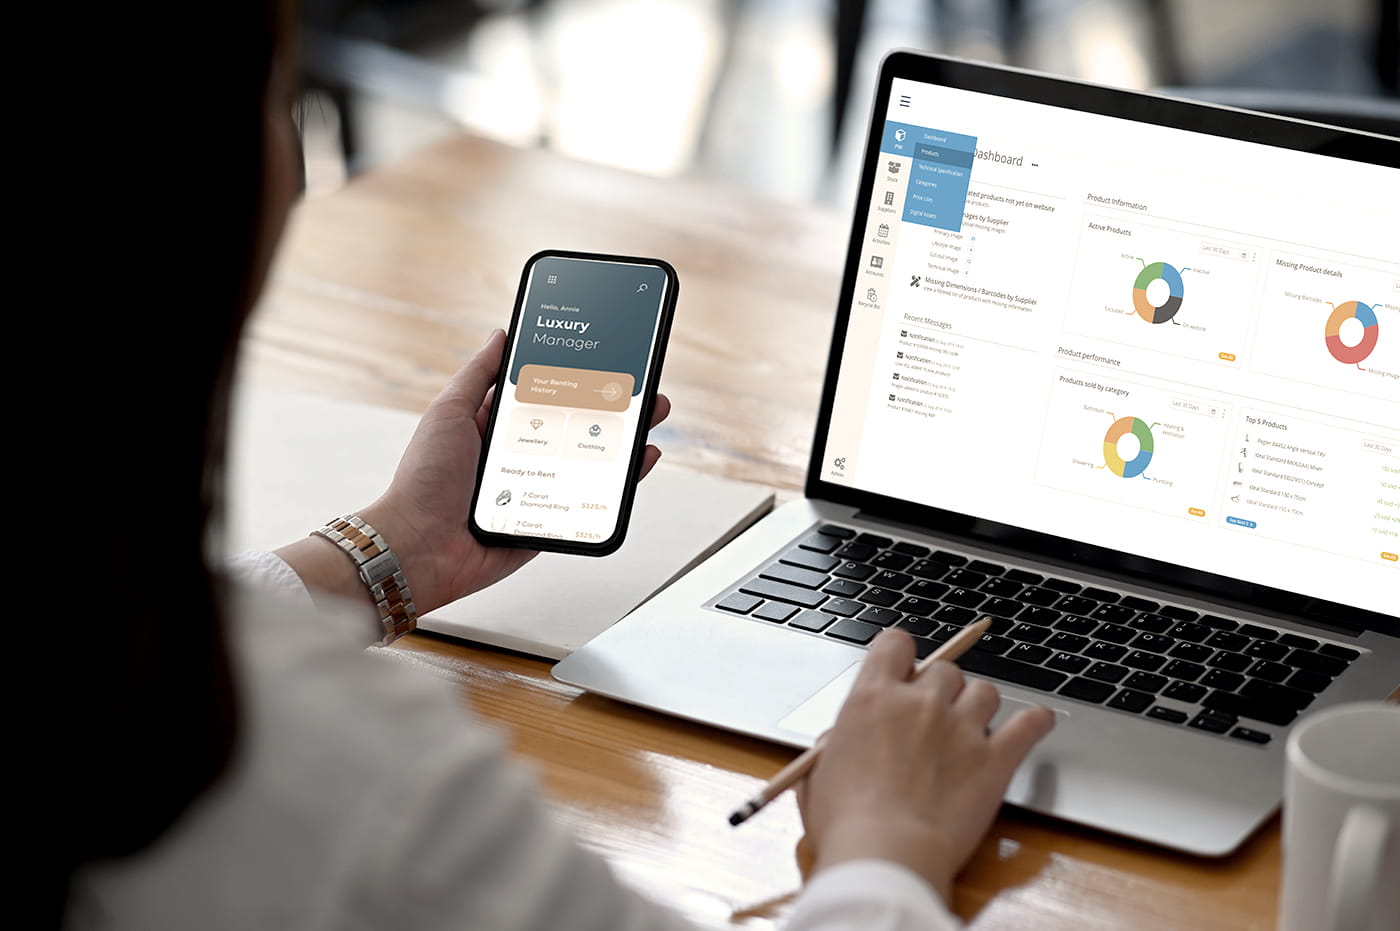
<point>815,716</point>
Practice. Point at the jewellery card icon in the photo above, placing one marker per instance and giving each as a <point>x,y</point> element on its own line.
<point>536,423</point>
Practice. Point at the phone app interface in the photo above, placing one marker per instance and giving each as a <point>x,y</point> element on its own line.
<point>570,410</point>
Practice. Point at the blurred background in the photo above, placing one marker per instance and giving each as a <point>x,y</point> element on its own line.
<point>773,95</point>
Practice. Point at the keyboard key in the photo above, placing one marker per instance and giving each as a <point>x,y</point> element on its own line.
<point>991,643</point>
<point>853,631</point>
<point>858,571</point>
<point>1220,679</point>
<point>739,603</point>
<point>1214,721</point>
<point>1073,604</point>
<point>952,614</point>
<point>1100,594</point>
<point>964,578</point>
<point>1001,607</point>
<point>1257,737</point>
<point>1181,669</point>
<point>1068,643</point>
<point>1129,700</point>
<point>964,597</point>
<point>923,588</point>
<point>918,626</point>
<point>1139,604</point>
<point>952,559</point>
<point>1062,585</point>
<point>814,621</point>
<point>1141,659</point>
<point>1217,622</point>
<point>1108,652</point>
<point>1195,633</point>
<point>1163,713</point>
<point>1185,691</point>
<point>986,568</point>
<point>1153,643</point>
<point>1067,662</point>
<point>1115,633</point>
<point>766,588</point>
<point>810,560</point>
<point>1276,694</point>
<point>1340,652</point>
<point>922,647</point>
<point>1032,614</point>
<point>1178,614</point>
<point>1114,613</point>
<point>1257,632</point>
<point>875,540</point>
<point>911,549</point>
<point>891,560</point>
<point>1146,682</point>
<point>999,625</point>
<point>1106,672</point>
<point>775,611</point>
<point>820,543</point>
<point>1076,625</point>
<point>1234,662</point>
<point>794,575</point>
<point>845,588</point>
<point>920,606</point>
<point>1316,662</point>
<point>1152,623</point>
<point>1192,652</point>
<point>1311,681</point>
<point>887,578</point>
<point>1024,577</point>
<point>1087,690</point>
<point>1029,633</point>
<point>881,596</point>
<point>1002,587</point>
<point>1225,640</point>
<point>1302,643</point>
<point>1249,708</point>
<point>859,552</point>
<point>1043,597</point>
<point>928,569</point>
<point>882,616</point>
<point>1029,653</point>
<point>1009,670</point>
<point>835,530</point>
<point>1270,672</point>
<point>845,607</point>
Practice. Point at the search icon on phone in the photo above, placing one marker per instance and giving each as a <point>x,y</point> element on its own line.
<point>641,287</point>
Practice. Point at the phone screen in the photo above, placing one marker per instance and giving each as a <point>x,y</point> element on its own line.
<point>567,429</point>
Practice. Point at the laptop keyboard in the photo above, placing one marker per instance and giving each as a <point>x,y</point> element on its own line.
<point>1172,664</point>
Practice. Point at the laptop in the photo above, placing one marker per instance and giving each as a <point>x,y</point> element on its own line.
<point>1121,372</point>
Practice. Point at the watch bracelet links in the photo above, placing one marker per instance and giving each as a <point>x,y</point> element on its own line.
<point>379,570</point>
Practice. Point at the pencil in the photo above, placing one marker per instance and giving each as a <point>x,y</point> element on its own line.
<point>792,773</point>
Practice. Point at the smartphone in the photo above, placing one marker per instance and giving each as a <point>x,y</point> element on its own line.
<point>573,402</point>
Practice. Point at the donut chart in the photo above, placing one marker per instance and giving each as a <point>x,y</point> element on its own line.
<point>1371,331</point>
<point>1143,306</point>
<point>1116,464</point>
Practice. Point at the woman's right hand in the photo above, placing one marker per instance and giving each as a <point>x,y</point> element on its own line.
<point>910,772</point>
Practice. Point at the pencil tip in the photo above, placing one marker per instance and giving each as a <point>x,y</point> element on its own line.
<point>743,813</point>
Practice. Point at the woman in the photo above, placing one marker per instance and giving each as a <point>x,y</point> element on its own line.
<point>230,754</point>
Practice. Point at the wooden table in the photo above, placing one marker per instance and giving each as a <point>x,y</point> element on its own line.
<point>385,287</point>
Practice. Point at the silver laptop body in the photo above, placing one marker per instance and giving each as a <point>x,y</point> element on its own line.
<point>1119,371</point>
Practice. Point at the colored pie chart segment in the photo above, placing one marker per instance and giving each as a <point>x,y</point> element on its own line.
<point>1115,462</point>
<point>1145,308</point>
<point>1370,332</point>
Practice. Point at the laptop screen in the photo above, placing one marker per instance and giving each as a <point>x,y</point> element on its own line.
<point>1122,340</point>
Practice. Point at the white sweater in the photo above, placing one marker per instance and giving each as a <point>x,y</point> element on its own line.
<point>363,795</point>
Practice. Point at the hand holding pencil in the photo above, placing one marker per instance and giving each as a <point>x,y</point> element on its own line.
<point>909,773</point>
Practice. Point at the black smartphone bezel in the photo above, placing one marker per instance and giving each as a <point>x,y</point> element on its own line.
<point>649,392</point>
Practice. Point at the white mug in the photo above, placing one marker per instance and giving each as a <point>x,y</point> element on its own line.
<point>1341,821</point>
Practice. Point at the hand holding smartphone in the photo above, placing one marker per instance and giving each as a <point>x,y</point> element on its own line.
<point>573,402</point>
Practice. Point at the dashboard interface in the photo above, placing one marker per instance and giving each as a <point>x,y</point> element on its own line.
<point>1169,344</point>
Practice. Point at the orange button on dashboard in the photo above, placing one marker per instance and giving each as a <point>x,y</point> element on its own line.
<point>1391,556</point>
<point>1228,356</point>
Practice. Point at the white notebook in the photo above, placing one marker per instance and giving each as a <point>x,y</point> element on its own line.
<point>285,480</point>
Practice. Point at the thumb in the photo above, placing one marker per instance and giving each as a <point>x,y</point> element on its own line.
<point>468,387</point>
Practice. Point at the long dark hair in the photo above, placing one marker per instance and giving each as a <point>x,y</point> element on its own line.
<point>140,715</point>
